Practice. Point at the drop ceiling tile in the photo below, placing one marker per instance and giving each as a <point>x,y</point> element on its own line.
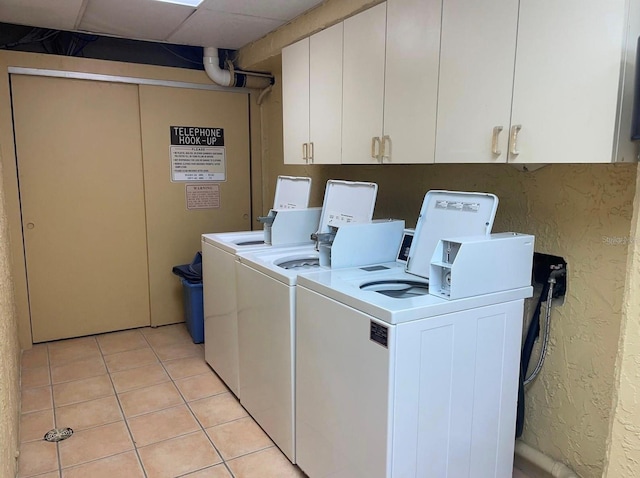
<point>139,19</point>
<point>274,9</point>
<point>57,15</point>
<point>222,30</point>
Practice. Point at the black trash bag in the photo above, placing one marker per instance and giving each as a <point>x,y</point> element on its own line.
<point>192,272</point>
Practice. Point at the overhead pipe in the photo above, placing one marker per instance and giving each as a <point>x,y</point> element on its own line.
<point>555,468</point>
<point>232,77</point>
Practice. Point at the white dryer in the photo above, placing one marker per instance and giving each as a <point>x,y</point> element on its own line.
<point>266,302</point>
<point>394,380</point>
<point>219,284</point>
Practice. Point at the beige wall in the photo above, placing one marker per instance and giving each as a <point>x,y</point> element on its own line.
<point>572,210</point>
<point>9,356</point>
<point>327,14</point>
<point>624,439</point>
<point>9,177</point>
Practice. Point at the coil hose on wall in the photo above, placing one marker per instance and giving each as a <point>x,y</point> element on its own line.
<point>547,273</point>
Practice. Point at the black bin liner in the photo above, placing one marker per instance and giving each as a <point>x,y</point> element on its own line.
<point>192,272</point>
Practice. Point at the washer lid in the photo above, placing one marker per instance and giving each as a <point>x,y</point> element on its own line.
<point>292,192</point>
<point>448,214</point>
<point>346,202</point>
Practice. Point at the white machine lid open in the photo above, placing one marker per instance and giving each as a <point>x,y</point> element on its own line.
<point>448,214</point>
<point>347,202</point>
<point>292,192</point>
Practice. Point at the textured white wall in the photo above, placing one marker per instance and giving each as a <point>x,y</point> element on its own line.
<point>9,356</point>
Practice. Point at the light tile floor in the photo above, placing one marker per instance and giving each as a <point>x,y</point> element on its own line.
<point>142,403</point>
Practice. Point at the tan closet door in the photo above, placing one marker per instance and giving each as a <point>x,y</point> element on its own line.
<point>81,190</point>
<point>173,231</point>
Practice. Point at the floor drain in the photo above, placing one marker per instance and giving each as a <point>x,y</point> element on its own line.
<point>58,434</point>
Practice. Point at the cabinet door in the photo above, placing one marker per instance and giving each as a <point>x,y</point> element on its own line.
<point>363,84</point>
<point>476,79</point>
<point>566,80</point>
<point>411,80</point>
<point>325,100</point>
<point>295,101</point>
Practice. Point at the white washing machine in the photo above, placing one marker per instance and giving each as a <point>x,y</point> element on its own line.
<point>266,303</point>
<point>395,380</point>
<point>219,284</point>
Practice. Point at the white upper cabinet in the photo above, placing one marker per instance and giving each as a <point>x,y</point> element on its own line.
<point>325,102</point>
<point>567,81</point>
<point>390,83</point>
<point>477,57</point>
<point>312,98</point>
<point>295,102</point>
<point>363,85</point>
<point>557,98</point>
<point>465,81</point>
<point>411,80</point>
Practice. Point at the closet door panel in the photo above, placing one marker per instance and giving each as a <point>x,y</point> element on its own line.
<point>81,189</point>
<point>173,230</point>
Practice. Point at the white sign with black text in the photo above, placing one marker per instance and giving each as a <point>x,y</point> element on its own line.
<point>197,154</point>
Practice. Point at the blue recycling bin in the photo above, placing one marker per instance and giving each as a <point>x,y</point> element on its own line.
<point>193,310</point>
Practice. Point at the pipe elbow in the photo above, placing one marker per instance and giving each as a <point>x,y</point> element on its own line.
<point>555,468</point>
<point>213,70</point>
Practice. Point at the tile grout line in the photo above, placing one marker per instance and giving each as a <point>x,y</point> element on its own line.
<point>224,461</point>
<point>66,382</point>
<point>124,417</point>
<point>191,412</point>
<point>53,411</point>
<point>84,401</point>
<point>22,414</point>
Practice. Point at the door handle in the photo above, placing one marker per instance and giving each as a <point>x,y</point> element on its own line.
<point>305,154</point>
<point>494,140</point>
<point>30,225</point>
<point>311,151</point>
<point>515,129</point>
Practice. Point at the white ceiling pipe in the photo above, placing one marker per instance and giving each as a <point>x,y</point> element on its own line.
<point>557,469</point>
<point>235,78</point>
<point>212,67</point>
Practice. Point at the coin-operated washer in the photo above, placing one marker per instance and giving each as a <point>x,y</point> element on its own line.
<point>394,378</point>
<point>286,221</point>
<point>266,301</point>
<point>295,224</point>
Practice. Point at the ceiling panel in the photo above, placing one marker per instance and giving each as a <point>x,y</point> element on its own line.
<point>275,9</point>
<point>139,19</point>
<point>222,30</point>
<point>57,15</point>
<point>220,23</point>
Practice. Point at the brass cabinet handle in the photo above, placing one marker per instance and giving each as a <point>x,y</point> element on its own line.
<point>515,129</point>
<point>386,152</point>
<point>494,140</point>
<point>375,155</point>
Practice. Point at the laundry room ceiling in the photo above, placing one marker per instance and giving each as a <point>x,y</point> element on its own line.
<point>229,24</point>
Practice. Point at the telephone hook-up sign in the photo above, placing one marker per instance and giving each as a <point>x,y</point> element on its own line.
<point>197,154</point>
